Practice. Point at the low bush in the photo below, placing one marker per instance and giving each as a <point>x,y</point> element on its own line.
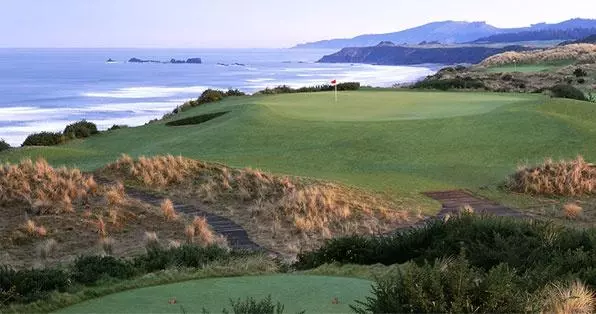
<point>118,127</point>
<point>581,80</point>
<point>80,129</point>
<point>565,177</point>
<point>284,89</point>
<point>31,284</point>
<point>44,139</point>
<point>252,306</point>
<point>208,96</point>
<point>184,256</point>
<point>447,84</point>
<point>448,286</point>
<point>579,72</point>
<point>89,269</point>
<point>540,249</point>
<point>4,145</point>
<point>568,91</point>
<point>196,119</point>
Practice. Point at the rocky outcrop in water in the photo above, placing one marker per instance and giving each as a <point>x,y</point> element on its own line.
<point>172,61</point>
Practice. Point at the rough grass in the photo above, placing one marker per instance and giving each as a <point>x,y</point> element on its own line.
<point>574,298</point>
<point>49,215</point>
<point>280,206</point>
<point>566,177</point>
<point>45,189</point>
<point>583,53</point>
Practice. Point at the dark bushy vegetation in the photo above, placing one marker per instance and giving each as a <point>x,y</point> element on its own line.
<point>432,82</point>
<point>118,127</point>
<point>448,286</point>
<point>30,284</point>
<point>80,129</point>
<point>540,249</point>
<point>208,96</point>
<point>196,119</point>
<point>184,256</point>
<point>579,72</point>
<point>4,145</point>
<point>33,284</point>
<point>284,89</point>
<point>568,91</point>
<point>44,139</point>
<point>89,269</point>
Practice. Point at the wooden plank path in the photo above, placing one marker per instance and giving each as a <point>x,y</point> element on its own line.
<point>452,201</point>
<point>236,236</point>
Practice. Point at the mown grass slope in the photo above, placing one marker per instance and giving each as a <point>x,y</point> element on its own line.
<point>296,292</point>
<point>398,142</point>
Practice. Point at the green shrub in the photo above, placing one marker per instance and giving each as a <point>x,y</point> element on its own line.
<point>31,284</point>
<point>184,256</point>
<point>540,248</point>
<point>80,129</point>
<point>196,119</point>
<point>252,306</point>
<point>89,269</point>
<point>447,84</point>
<point>211,95</point>
<point>581,80</point>
<point>507,77</point>
<point>4,145</point>
<point>447,286</point>
<point>118,127</point>
<point>284,89</point>
<point>579,72</point>
<point>44,139</point>
<point>234,92</point>
<point>568,91</point>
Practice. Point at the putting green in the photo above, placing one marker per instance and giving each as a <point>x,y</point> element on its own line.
<point>295,292</point>
<point>384,105</point>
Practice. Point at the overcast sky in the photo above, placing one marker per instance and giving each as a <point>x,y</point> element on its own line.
<point>250,23</point>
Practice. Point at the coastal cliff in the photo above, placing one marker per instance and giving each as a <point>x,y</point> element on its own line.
<point>387,53</point>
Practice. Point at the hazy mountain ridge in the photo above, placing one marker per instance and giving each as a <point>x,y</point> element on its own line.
<point>386,54</point>
<point>447,32</point>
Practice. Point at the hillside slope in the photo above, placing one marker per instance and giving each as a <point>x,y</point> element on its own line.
<point>445,32</point>
<point>386,54</point>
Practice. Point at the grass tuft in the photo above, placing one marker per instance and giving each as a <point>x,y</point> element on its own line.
<point>566,177</point>
<point>574,298</point>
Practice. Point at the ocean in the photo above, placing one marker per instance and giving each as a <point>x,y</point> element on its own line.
<point>46,89</point>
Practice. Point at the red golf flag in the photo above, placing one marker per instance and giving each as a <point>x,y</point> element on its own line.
<point>334,82</point>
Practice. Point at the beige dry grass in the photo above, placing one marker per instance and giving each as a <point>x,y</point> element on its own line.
<point>203,234</point>
<point>582,53</point>
<point>566,177</point>
<point>168,211</point>
<point>269,205</point>
<point>44,189</point>
<point>572,211</point>
<point>574,298</point>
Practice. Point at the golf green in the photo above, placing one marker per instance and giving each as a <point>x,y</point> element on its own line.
<point>396,142</point>
<point>313,294</point>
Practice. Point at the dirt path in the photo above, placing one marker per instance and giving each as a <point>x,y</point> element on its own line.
<point>453,200</point>
<point>236,235</point>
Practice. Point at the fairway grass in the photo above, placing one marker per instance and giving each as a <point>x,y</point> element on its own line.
<point>313,294</point>
<point>399,143</point>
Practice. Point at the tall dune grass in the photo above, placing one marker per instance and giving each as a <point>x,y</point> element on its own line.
<point>306,206</point>
<point>45,189</point>
<point>566,177</point>
<point>583,53</point>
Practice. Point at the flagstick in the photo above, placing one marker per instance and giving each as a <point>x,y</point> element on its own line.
<point>335,92</point>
